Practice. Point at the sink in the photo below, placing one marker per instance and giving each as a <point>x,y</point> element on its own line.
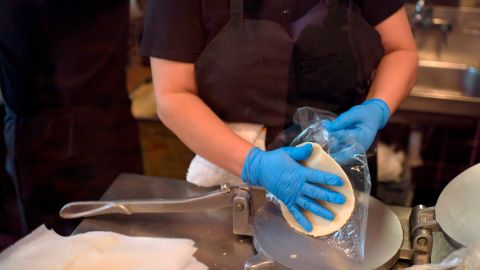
<point>448,80</point>
<point>445,88</point>
<point>460,45</point>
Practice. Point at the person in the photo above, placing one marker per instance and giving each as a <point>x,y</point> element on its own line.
<point>68,128</point>
<point>257,61</point>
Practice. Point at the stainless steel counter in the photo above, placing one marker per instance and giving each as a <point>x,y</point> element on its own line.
<point>211,230</point>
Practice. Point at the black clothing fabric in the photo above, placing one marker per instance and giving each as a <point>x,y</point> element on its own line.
<point>330,53</point>
<point>241,55</point>
<point>55,54</point>
<point>179,30</point>
<point>68,129</point>
<point>250,84</point>
<point>75,157</point>
<point>259,71</point>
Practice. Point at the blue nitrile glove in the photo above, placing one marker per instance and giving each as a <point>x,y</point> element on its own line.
<point>279,172</point>
<point>360,124</point>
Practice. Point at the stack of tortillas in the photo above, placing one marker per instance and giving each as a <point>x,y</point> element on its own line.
<point>320,160</point>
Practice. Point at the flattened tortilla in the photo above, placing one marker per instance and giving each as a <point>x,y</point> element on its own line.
<point>320,160</point>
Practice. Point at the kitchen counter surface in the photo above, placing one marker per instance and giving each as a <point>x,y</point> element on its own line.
<point>211,229</point>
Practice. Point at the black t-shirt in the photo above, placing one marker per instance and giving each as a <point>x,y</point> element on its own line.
<point>57,54</point>
<point>180,29</point>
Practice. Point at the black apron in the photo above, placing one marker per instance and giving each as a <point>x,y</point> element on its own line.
<point>257,71</point>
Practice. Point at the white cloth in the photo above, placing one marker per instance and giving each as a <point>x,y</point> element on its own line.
<point>43,249</point>
<point>203,173</point>
<point>391,163</point>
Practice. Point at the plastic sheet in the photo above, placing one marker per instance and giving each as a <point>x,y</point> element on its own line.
<point>350,239</point>
<point>463,259</point>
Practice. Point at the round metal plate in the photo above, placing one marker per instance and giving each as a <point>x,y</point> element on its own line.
<point>273,237</point>
<point>457,209</point>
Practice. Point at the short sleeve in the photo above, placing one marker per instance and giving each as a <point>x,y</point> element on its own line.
<point>376,11</point>
<point>173,30</point>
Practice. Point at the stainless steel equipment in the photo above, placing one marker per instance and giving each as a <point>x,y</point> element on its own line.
<point>444,88</point>
<point>457,208</point>
<point>281,247</point>
<point>290,251</point>
<point>237,197</point>
<point>455,214</point>
<point>423,18</point>
<point>204,217</point>
<point>448,79</point>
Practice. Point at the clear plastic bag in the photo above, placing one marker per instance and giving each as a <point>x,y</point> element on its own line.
<point>350,239</point>
<point>463,259</point>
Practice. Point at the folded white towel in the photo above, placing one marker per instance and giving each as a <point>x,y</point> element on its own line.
<point>202,172</point>
<point>43,249</point>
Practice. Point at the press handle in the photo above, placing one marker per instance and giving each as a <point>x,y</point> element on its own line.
<point>215,199</point>
<point>258,261</point>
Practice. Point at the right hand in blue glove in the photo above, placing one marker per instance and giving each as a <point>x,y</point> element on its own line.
<point>353,131</point>
<point>279,172</point>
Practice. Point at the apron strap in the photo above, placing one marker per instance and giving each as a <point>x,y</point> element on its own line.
<point>337,12</point>
<point>236,11</point>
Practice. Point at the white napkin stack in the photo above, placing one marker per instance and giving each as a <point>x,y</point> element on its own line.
<point>43,249</point>
<point>202,172</point>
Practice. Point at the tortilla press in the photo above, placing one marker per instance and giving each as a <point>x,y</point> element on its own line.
<point>280,247</point>
<point>456,215</point>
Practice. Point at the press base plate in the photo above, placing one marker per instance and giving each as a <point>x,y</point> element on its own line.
<point>288,249</point>
<point>457,208</point>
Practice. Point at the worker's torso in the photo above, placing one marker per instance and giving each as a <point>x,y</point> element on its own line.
<point>267,58</point>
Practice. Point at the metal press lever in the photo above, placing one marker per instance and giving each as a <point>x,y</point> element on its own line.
<point>422,226</point>
<point>227,196</point>
<point>215,199</point>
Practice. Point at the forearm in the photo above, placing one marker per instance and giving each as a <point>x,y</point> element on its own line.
<point>183,112</point>
<point>395,77</point>
<point>397,71</point>
<point>202,131</point>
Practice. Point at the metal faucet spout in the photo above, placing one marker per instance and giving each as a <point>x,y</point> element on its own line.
<point>423,18</point>
<point>423,13</point>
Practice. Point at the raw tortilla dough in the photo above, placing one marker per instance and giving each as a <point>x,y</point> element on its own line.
<point>320,160</point>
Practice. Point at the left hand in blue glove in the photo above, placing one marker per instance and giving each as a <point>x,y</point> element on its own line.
<point>360,124</point>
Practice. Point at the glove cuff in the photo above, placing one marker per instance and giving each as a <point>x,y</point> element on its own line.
<point>383,106</point>
<point>248,170</point>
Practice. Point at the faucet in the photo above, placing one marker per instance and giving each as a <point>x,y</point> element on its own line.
<point>423,15</point>
<point>423,18</point>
